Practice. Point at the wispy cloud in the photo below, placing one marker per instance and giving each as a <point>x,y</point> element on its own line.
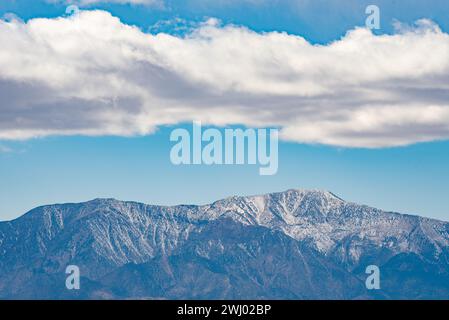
<point>92,74</point>
<point>4,149</point>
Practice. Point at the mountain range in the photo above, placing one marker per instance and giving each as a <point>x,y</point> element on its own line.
<point>297,244</point>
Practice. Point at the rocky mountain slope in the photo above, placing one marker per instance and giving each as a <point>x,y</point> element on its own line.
<point>296,244</point>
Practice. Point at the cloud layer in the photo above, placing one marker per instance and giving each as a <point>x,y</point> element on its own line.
<point>91,74</point>
<point>90,2</point>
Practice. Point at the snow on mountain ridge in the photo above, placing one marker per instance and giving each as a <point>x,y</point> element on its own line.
<point>123,232</point>
<point>326,220</point>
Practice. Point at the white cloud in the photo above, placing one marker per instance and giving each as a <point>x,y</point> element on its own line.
<point>90,2</point>
<point>91,74</point>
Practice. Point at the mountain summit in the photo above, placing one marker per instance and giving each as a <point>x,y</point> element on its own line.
<point>297,244</point>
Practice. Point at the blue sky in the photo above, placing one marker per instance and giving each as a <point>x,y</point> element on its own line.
<point>405,175</point>
<point>319,21</point>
